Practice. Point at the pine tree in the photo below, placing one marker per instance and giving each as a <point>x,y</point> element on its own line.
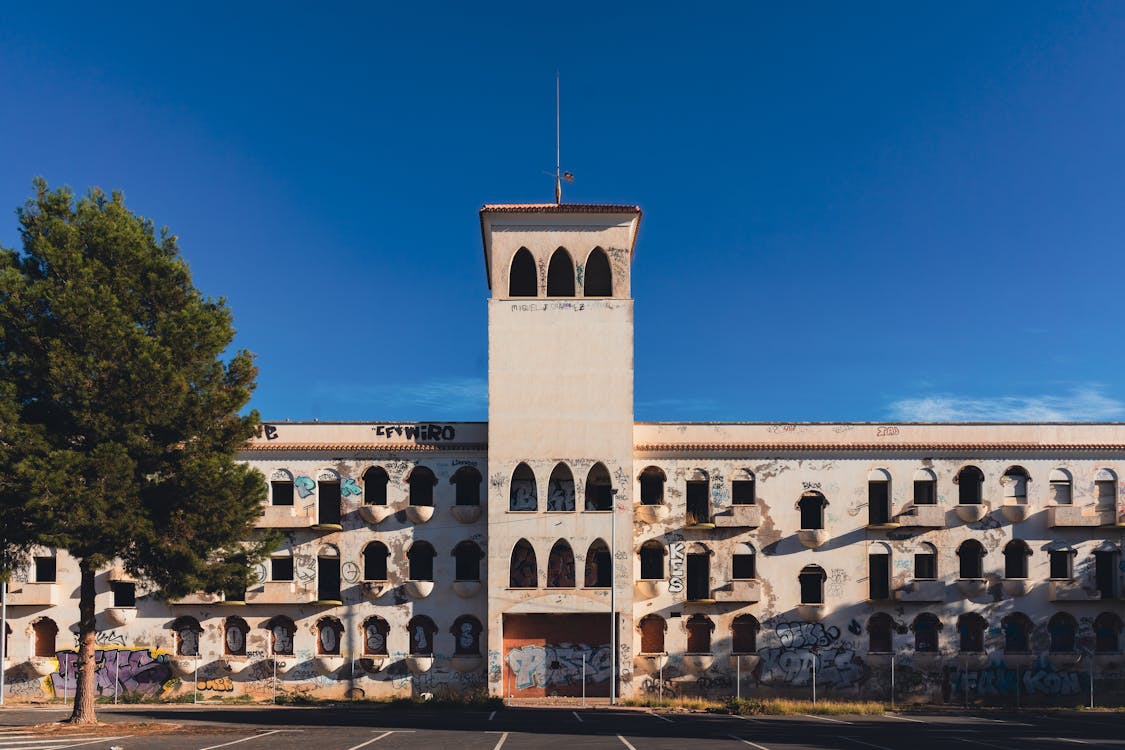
<point>120,420</point>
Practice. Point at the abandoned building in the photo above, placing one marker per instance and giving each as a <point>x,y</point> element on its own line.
<point>963,562</point>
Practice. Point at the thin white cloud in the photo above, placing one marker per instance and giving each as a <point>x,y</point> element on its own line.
<point>1084,404</point>
<point>447,398</point>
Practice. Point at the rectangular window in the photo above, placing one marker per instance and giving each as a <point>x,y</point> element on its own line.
<point>281,568</point>
<point>1060,493</point>
<point>698,503</point>
<point>328,506</point>
<point>45,570</point>
<point>742,492</point>
<point>282,493</point>
<point>925,492</point>
<point>878,502</point>
<point>879,572</point>
<point>925,566</point>
<point>124,593</point>
<point>742,567</point>
<point>1060,564</point>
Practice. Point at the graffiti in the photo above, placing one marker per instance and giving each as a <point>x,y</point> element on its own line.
<point>136,671</point>
<point>433,432</point>
<point>189,641</point>
<point>653,686</point>
<point>306,568</point>
<point>349,571</point>
<point>800,634</point>
<point>105,638</point>
<point>494,671</point>
<point>542,306</point>
<point>375,637</point>
<point>29,688</point>
<point>523,495</point>
<point>810,485</point>
<point>270,431</point>
<point>560,494</point>
<point>886,431</point>
<point>794,666</point>
<point>560,567</point>
<point>349,487</point>
<point>305,486</point>
<point>561,664</point>
<point>676,561</point>
<point>523,573</point>
<point>1000,680</point>
<point>837,577</point>
<point>219,684</point>
<point>854,628</point>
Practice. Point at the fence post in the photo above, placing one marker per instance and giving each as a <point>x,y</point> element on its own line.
<point>117,677</point>
<point>965,682</point>
<point>583,678</point>
<point>814,677</point>
<point>892,680</point>
<point>738,677</point>
<point>195,696</point>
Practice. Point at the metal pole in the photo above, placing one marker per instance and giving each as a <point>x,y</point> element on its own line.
<point>965,682</point>
<point>613,599</point>
<point>661,675</point>
<point>892,681</point>
<point>65,679</point>
<point>3,633</point>
<point>813,677</point>
<point>1091,680</point>
<point>1017,686</point>
<point>195,698</point>
<point>117,677</point>
<point>738,677</point>
<point>583,679</point>
<point>274,678</point>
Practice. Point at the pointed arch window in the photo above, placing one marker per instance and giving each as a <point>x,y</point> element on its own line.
<point>560,489</point>
<point>522,495</point>
<point>598,276</point>
<point>599,565</point>
<point>522,278</point>
<point>523,573</point>
<point>599,488</point>
<point>560,275</point>
<point>560,566</point>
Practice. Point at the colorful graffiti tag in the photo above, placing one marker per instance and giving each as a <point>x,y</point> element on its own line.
<point>561,664</point>
<point>137,671</point>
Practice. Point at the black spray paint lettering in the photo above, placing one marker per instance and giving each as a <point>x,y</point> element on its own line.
<point>676,563</point>
<point>270,430</point>
<point>417,432</point>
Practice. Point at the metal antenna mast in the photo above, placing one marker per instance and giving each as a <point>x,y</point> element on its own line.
<point>560,175</point>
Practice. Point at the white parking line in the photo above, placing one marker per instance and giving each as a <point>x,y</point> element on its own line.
<point>80,744</point>
<point>43,740</point>
<point>905,718</point>
<point>500,744</point>
<point>825,718</point>
<point>373,739</point>
<point>576,715</point>
<point>869,744</point>
<point>244,739</point>
<point>492,716</point>
<point>986,744</point>
<point>748,742</point>
<point>662,718</point>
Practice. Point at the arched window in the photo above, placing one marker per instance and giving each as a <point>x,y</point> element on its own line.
<point>560,566</point>
<point>328,573</point>
<point>878,497</point>
<point>523,496</point>
<point>1014,483</point>
<point>599,565</point>
<point>812,579</point>
<point>742,489</point>
<point>466,632</point>
<point>1017,633</point>
<point>1016,553</point>
<point>880,633</point>
<point>652,485</point>
<point>523,572</point>
<point>329,635</point>
<point>971,554</point>
<point>1105,489</point>
<point>1062,487</point>
<point>698,498</point>
<point>375,557</point>
<point>1063,630</point>
<point>926,627</point>
<point>698,573</point>
<point>812,506</point>
<point>467,480</point>
<point>328,499</point>
<point>652,629</point>
<point>599,489</point>
<point>46,632</point>
<point>970,629</point>
<point>281,488</point>
<point>743,563</point>
<point>421,558</point>
<point>466,560</point>
<point>522,279</point>
<point>421,630</point>
<point>375,482</point>
<point>1107,631</point>
<point>560,489</point>
<point>925,487</point>
<point>652,561</point>
<point>235,631</point>
<point>925,562</point>
<point>699,629</point>
<point>970,483</point>
<point>282,632</point>
<point>744,635</point>
<point>879,571</point>
<point>598,276</point>
<point>375,631</point>
<point>560,275</point>
<point>186,631</point>
<point>422,482</point>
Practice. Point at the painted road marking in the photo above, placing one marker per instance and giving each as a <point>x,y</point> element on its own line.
<point>869,744</point>
<point>44,740</point>
<point>500,744</point>
<point>825,718</point>
<point>373,739</point>
<point>748,742</point>
<point>492,716</point>
<point>576,715</point>
<point>624,742</point>
<point>662,718</point>
<point>905,718</point>
<point>978,742</point>
<point>244,739</point>
<point>76,744</point>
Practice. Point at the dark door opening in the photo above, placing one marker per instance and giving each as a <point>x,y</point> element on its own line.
<point>328,579</point>
<point>1105,573</point>
<point>698,577</point>
<point>328,506</point>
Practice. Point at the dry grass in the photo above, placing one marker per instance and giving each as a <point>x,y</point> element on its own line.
<point>770,707</point>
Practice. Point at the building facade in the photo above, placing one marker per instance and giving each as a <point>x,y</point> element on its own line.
<point>562,548</point>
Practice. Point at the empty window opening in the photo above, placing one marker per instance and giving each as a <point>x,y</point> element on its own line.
<point>925,487</point>
<point>281,568</point>
<point>1107,632</point>
<point>652,561</point>
<point>699,629</point>
<point>467,480</point>
<point>878,498</point>
<point>1061,487</point>
<point>652,629</point>
<point>466,561</point>
<point>1062,564</point>
<point>560,275</point>
<point>375,557</point>
<point>698,502</point>
<point>235,631</point>
<point>234,593</point>
<point>812,579</point>
<point>652,486</point>
<point>1106,573</point>
<point>329,636</point>
<point>1014,483</point>
<point>971,557</point>
<point>598,276</point>
<point>970,485</point>
<point>328,502</point>
<point>743,564</point>
<point>925,563</point>
<point>560,489</point>
<point>698,576</point>
<point>742,490</point>
<point>187,631</point>
<point>599,489</point>
<point>1105,489</point>
<point>522,278</point>
<point>744,635</point>
<point>926,627</point>
<point>522,496</point>
<point>375,482</point>
<point>375,630</point>
<point>811,506</point>
<point>1063,630</point>
<point>46,632</point>
<point>879,576</point>
<point>328,578</point>
<point>282,633</point>
<point>422,631</point>
<point>124,593</point>
<point>466,632</point>
<point>522,570</point>
<point>1016,553</point>
<point>599,565</point>
<point>45,569</point>
<point>422,482</point>
<point>1017,632</point>
<point>970,629</point>
<point>421,561</point>
<point>281,492</point>
<point>560,566</point>
<point>880,634</point>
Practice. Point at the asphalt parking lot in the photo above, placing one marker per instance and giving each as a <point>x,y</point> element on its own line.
<point>379,728</point>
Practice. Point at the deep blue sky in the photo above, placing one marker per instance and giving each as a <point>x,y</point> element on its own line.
<point>853,211</point>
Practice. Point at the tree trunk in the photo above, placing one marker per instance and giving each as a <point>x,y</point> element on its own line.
<point>84,694</point>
